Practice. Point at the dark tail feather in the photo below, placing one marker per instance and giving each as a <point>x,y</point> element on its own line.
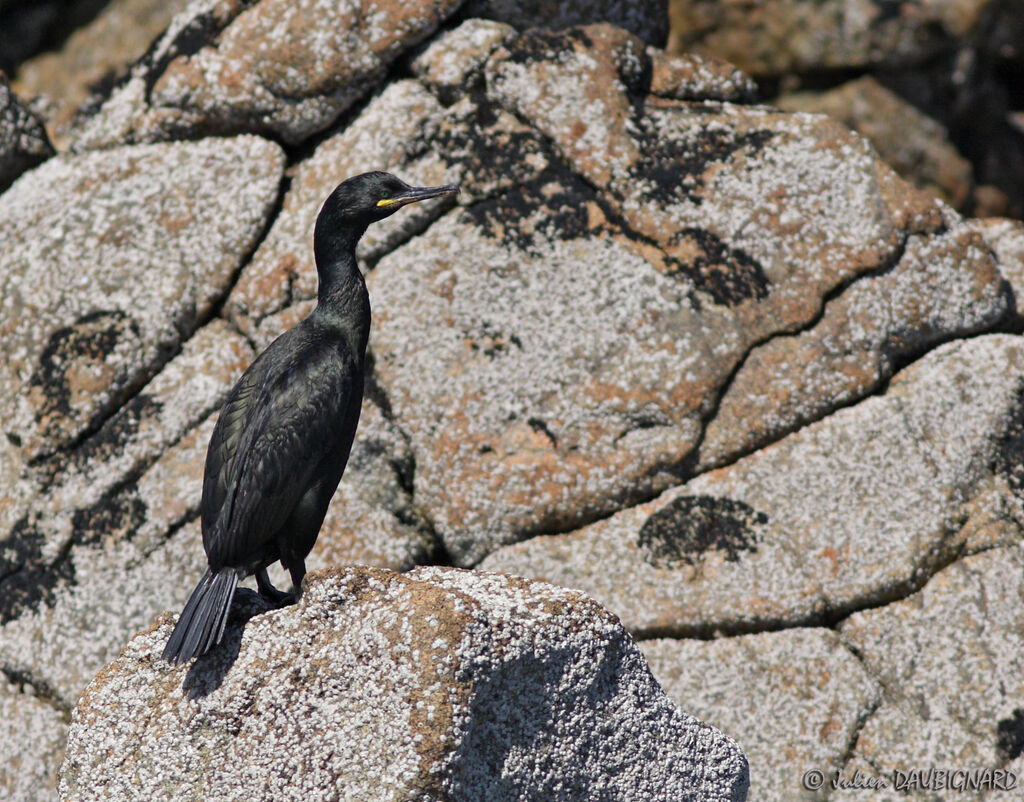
<point>201,624</point>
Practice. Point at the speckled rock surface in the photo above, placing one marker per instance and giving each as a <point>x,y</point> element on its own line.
<point>781,36</point>
<point>96,55</point>
<point>130,557</point>
<point>794,700</point>
<point>553,350</point>
<point>276,67</point>
<point>687,76</point>
<point>942,286</point>
<point>951,660</point>
<point>380,686</point>
<point>913,144</point>
<point>89,495</point>
<point>119,256</point>
<point>647,19</point>
<point>33,732</point>
<point>849,512</point>
<point>23,139</point>
<point>452,63</point>
<point>949,70</point>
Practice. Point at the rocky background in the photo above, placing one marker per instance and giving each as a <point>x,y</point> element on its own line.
<point>683,343</point>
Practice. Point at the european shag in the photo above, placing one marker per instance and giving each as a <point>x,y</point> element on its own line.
<point>285,431</point>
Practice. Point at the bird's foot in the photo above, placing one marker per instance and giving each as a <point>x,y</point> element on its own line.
<point>278,598</point>
<point>269,593</point>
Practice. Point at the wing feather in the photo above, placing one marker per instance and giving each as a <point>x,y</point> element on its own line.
<point>285,415</point>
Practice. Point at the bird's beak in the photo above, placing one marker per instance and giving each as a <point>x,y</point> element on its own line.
<point>413,194</point>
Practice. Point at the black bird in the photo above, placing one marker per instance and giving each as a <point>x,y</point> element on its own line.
<point>284,434</point>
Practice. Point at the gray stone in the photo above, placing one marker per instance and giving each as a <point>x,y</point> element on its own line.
<point>912,143</point>
<point>775,37</point>
<point>647,19</point>
<point>23,139</point>
<point>281,68</point>
<point>98,54</point>
<point>554,349</point>
<point>951,661</point>
<point>1006,238</point>
<point>491,357</point>
<point>794,700</point>
<point>191,386</point>
<point>943,286</point>
<point>452,64</point>
<point>856,509</point>
<point>687,76</point>
<point>282,273</point>
<point>130,556</point>
<point>118,257</point>
<point>32,737</point>
<point>381,686</point>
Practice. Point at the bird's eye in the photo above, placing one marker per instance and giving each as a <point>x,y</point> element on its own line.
<point>384,194</point>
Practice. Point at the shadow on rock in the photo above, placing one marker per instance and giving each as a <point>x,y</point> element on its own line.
<point>207,673</point>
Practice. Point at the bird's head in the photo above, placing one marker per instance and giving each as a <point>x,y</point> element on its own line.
<point>370,197</point>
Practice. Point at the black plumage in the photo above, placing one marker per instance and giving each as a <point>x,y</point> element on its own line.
<point>285,431</point>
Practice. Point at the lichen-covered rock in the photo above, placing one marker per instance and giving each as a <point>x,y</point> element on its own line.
<point>688,76</point>
<point>853,510</point>
<point>382,686</point>
<point>943,285</point>
<point>114,259</point>
<point>86,496</point>
<point>129,556</point>
<point>790,36</point>
<point>794,700</point>
<point>452,65</point>
<point>647,19</point>
<point>32,737</point>
<point>1006,239</point>
<point>913,144</point>
<point>281,68</point>
<point>554,348</point>
<point>23,139</point>
<point>951,660</point>
<point>98,54</point>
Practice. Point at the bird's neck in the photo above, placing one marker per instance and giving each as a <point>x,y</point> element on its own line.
<point>342,300</point>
